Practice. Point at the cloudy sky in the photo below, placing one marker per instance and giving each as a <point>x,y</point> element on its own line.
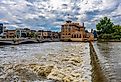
<point>50,14</point>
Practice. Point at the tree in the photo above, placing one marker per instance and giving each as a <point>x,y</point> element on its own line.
<point>105,26</point>
<point>117,29</point>
<point>117,32</point>
<point>107,30</point>
<point>31,34</point>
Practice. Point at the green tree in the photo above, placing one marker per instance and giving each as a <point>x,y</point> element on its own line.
<point>117,32</point>
<point>117,29</point>
<point>31,34</point>
<point>105,26</point>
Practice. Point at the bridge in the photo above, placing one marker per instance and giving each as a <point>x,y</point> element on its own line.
<point>25,40</point>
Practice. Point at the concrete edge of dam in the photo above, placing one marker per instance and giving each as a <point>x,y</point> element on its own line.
<point>97,73</point>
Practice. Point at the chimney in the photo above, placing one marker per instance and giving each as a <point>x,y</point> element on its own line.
<point>83,24</point>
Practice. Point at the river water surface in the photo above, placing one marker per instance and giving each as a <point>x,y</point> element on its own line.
<point>109,54</point>
<point>16,58</point>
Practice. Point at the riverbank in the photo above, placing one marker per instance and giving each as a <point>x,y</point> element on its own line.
<point>108,40</point>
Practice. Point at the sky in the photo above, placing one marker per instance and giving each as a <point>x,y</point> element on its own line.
<point>50,14</point>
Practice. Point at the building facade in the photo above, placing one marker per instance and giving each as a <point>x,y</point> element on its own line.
<point>2,30</point>
<point>74,32</point>
<point>40,34</point>
<point>55,35</point>
<point>44,34</point>
<point>10,33</point>
<point>47,34</point>
<point>22,32</point>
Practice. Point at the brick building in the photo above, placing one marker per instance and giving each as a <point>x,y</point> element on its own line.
<point>44,34</point>
<point>10,33</point>
<point>74,32</point>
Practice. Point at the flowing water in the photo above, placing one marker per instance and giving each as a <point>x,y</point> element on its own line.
<point>109,54</point>
<point>13,57</point>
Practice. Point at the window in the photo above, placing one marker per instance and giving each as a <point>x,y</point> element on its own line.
<point>74,36</point>
<point>69,29</point>
<point>80,36</point>
<point>78,29</point>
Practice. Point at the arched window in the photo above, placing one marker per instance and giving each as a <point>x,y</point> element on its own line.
<point>74,36</point>
<point>80,36</point>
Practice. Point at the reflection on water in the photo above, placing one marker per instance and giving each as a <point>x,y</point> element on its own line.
<point>109,54</point>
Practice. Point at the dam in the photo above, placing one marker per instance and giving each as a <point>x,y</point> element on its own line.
<point>58,61</point>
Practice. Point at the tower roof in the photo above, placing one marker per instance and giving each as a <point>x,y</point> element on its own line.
<point>68,21</point>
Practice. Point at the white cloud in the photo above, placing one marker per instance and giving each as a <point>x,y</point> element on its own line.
<point>52,13</point>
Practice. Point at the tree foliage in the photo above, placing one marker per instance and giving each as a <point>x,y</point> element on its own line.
<point>31,34</point>
<point>107,30</point>
<point>105,26</point>
<point>117,30</point>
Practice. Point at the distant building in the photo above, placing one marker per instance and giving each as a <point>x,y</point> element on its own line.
<point>22,32</point>
<point>44,34</point>
<point>55,35</point>
<point>47,34</point>
<point>2,30</point>
<point>10,33</point>
<point>40,34</point>
<point>74,32</point>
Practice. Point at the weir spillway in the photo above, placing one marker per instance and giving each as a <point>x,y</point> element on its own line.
<point>50,62</point>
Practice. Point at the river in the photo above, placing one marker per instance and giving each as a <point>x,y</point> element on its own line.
<point>22,63</point>
<point>109,54</point>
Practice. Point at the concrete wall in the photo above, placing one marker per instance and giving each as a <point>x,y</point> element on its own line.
<point>97,73</point>
<point>76,39</point>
